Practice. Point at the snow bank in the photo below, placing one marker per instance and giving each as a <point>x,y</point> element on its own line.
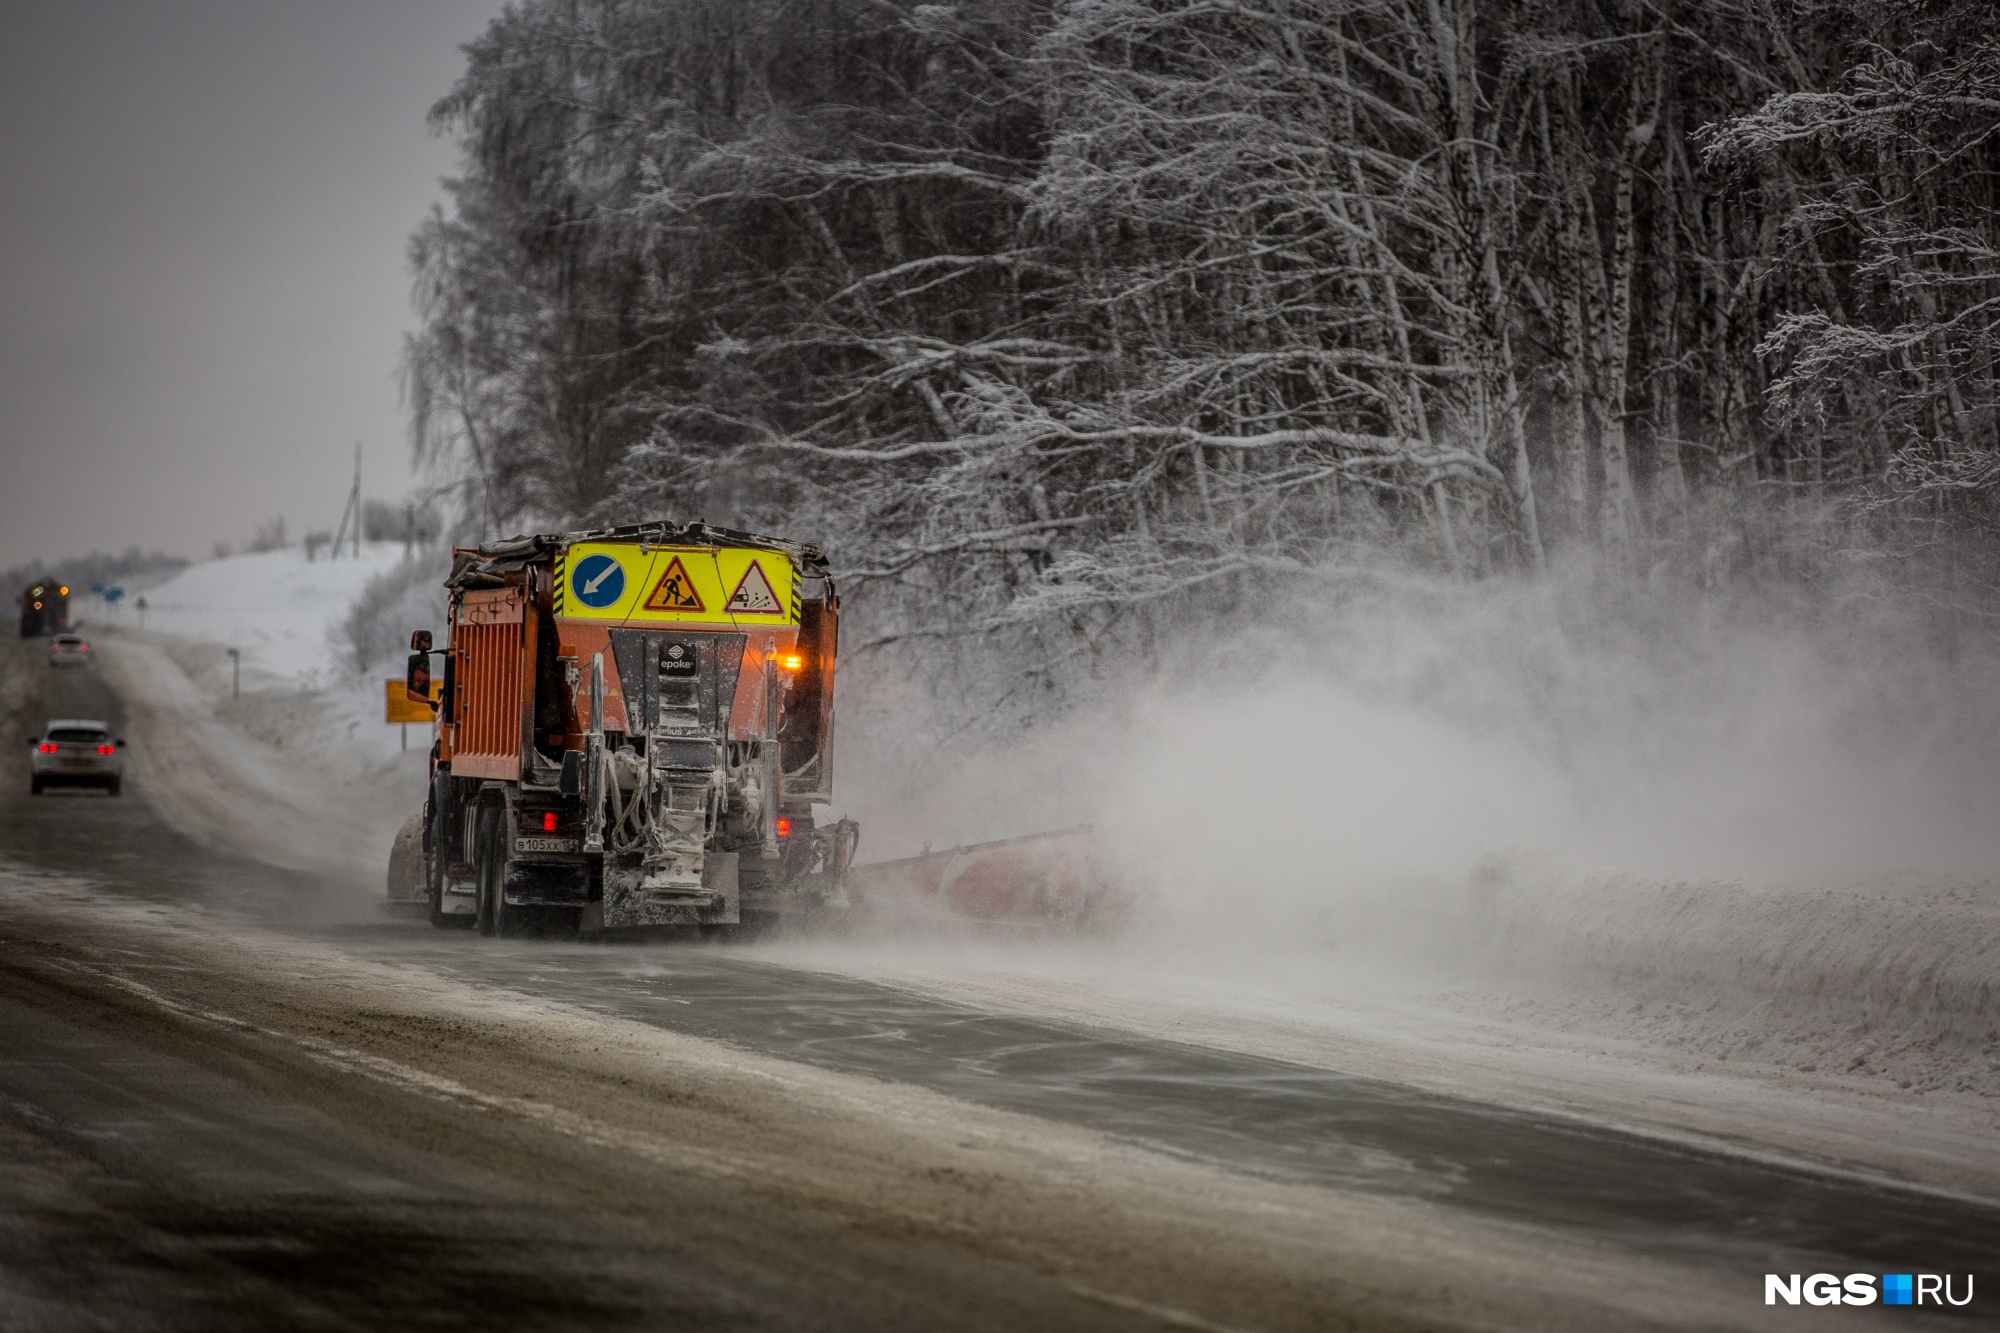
<point>1891,979</point>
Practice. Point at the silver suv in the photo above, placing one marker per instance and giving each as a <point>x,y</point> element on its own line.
<point>69,650</point>
<point>76,752</point>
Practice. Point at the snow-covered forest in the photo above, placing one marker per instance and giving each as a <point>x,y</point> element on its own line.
<point>1062,319</point>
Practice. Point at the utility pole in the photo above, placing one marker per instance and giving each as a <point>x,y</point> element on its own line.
<point>357,499</point>
<point>352,513</point>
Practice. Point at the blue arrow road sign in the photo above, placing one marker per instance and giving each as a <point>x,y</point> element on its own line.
<point>597,581</point>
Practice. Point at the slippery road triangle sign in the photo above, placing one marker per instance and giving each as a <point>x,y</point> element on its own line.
<point>754,595</point>
<point>675,591</point>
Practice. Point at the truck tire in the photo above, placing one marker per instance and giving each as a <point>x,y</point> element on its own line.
<point>486,874</point>
<point>439,810</point>
<point>496,918</point>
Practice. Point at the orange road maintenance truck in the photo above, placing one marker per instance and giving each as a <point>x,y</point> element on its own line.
<point>634,728</point>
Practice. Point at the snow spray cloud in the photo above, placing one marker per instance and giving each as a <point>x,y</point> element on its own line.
<point>1299,809</point>
<point>1354,761</point>
<point>1341,768</point>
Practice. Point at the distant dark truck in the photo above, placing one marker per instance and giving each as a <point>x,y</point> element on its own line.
<point>44,609</point>
<point>634,729</point>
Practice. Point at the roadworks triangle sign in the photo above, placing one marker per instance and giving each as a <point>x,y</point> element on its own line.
<point>675,591</point>
<point>753,595</point>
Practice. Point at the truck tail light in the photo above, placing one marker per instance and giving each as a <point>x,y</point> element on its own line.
<point>784,828</point>
<point>548,821</point>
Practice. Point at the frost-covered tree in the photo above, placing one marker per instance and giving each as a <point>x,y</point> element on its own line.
<point>1064,321</point>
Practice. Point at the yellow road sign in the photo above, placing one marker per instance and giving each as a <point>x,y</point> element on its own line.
<point>626,583</point>
<point>398,706</point>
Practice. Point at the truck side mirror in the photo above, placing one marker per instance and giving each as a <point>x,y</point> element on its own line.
<point>420,641</point>
<point>417,680</point>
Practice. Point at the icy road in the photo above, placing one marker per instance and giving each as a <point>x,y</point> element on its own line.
<point>216,1114</point>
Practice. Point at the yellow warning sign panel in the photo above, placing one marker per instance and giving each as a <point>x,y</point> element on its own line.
<point>625,583</point>
<point>398,706</point>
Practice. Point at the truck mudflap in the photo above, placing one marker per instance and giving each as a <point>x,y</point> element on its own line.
<point>808,877</point>
<point>828,860</point>
<point>547,883</point>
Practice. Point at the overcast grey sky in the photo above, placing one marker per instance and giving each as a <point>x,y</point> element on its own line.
<point>203,211</point>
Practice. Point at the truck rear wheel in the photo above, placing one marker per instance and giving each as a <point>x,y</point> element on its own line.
<point>496,918</point>
<point>441,812</point>
<point>486,872</point>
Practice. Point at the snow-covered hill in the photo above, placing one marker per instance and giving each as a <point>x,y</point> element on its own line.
<point>277,607</point>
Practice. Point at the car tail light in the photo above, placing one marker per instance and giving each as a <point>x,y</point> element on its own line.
<point>47,747</point>
<point>107,749</point>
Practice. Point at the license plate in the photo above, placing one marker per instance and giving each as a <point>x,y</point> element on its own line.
<point>545,844</point>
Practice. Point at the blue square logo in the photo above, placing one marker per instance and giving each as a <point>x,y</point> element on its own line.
<point>1896,1288</point>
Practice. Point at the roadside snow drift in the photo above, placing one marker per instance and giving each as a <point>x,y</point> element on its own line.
<point>298,769</point>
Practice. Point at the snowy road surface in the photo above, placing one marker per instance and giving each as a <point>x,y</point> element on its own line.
<point>224,1107</point>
